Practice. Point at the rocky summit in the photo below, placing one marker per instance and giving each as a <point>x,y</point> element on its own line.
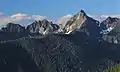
<point>11,27</point>
<point>83,23</point>
<point>83,45</point>
<point>14,31</point>
<point>110,28</point>
<point>42,27</point>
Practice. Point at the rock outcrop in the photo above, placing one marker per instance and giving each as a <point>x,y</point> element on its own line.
<point>109,24</point>
<point>43,27</point>
<point>81,22</point>
<point>11,27</point>
<point>12,31</point>
<point>110,29</point>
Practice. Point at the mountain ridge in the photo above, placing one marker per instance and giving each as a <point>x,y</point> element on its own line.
<point>82,13</point>
<point>82,49</point>
<point>80,22</point>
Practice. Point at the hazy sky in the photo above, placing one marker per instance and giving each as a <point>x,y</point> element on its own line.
<point>57,8</point>
<point>27,11</point>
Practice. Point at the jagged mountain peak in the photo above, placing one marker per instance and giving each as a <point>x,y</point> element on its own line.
<point>45,20</point>
<point>82,22</point>
<point>109,24</point>
<point>12,27</point>
<point>110,29</point>
<point>110,19</point>
<point>75,22</point>
<point>10,24</point>
<point>82,12</point>
<point>39,21</point>
<point>43,27</point>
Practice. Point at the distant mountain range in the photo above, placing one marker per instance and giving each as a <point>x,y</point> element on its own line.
<point>79,22</point>
<point>83,44</point>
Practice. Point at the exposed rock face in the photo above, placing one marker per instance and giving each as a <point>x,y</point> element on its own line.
<point>11,27</point>
<point>111,30</point>
<point>81,22</point>
<point>42,27</point>
<point>75,22</point>
<point>12,31</point>
<point>109,24</point>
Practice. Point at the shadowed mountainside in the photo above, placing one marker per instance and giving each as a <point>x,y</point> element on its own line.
<point>13,58</point>
<point>60,53</point>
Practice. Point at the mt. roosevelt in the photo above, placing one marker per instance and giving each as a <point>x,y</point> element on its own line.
<point>82,44</point>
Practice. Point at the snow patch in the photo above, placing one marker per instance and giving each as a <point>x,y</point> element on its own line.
<point>107,31</point>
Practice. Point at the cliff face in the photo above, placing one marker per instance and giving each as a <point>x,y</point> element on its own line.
<point>82,23</point>
<point>110,28</point>
<point>14,31</point>
<point>75,22</point>
<point>42,27</point>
